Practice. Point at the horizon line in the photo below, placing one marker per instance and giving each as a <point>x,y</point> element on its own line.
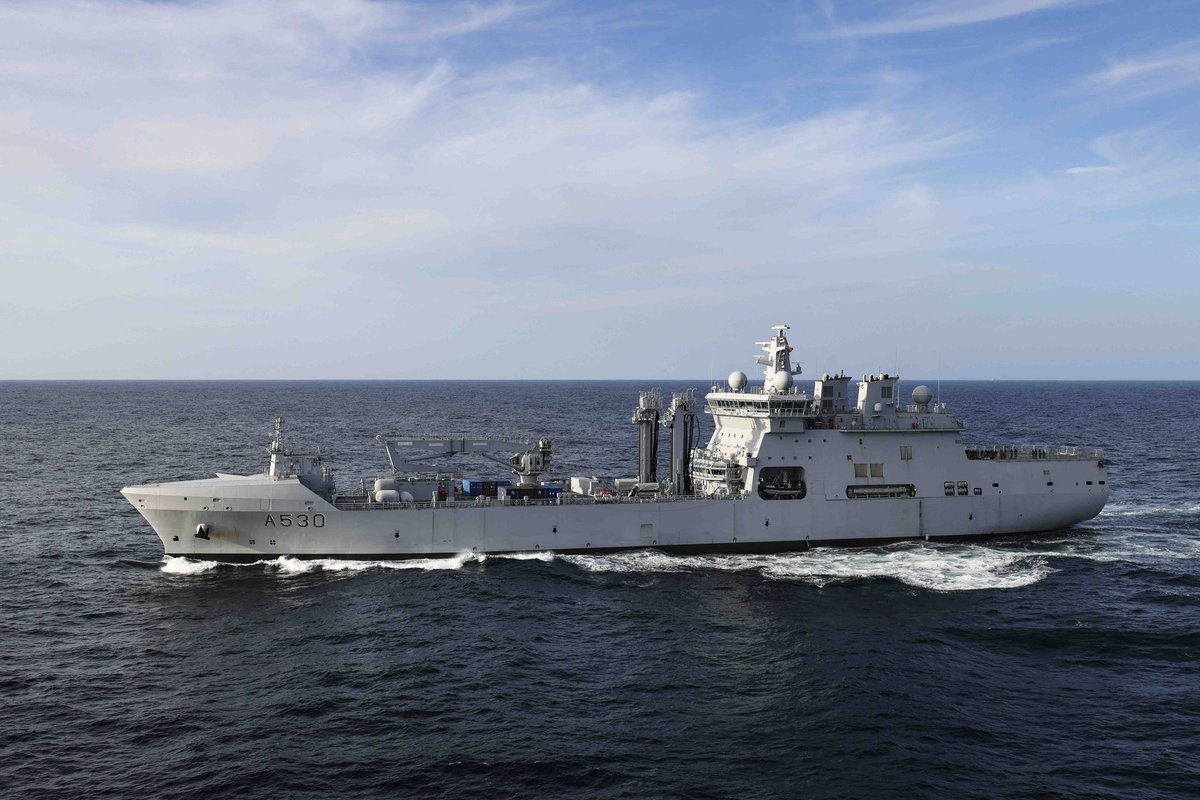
<point>559,380</point>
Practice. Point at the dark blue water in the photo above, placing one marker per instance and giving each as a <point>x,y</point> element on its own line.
<point>1066,665</point>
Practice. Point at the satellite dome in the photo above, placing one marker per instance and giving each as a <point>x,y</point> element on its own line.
<point>782,381</point>
<point>737,380</point>
<point>922,395</point>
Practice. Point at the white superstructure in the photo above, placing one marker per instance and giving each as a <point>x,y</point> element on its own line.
<point>784,469</point>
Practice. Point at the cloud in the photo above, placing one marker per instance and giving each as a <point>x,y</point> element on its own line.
<point>1092,170</point>
<point>354,188</point>
<point>936,15</point>
<point>187,145</point>
<point>1161,71</point>
<point>252,165</point>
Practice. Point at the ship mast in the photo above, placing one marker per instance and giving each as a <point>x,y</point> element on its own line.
<point>779,372</point>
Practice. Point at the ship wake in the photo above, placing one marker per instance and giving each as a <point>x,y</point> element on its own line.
<point>937,567</point>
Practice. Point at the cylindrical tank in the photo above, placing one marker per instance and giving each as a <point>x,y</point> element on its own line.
<point>387,495</point>
<point>406,497</point>
<point>383,484</point>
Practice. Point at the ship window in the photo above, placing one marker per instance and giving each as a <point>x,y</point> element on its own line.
<point>978,491</point>
<point>885,392</point>
<point>949,488</point>
<point>877,470</point>
<point>860,470</point>
<point>995,486</point>
<point>962,487</point>
<point>906,452</point>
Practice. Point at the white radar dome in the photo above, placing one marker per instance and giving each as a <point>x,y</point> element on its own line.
<point>737,380</point>
<point>782,381</point>
<point>922,395</point>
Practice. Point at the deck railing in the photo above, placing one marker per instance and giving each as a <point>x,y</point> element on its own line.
<point>358,503</point>
<point>1033,452</point>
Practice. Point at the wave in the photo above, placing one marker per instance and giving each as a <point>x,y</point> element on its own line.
<point>181,565</point>
<point>298,566</point>
<point>532,555</point>
<point>288,565</point>
<point>937,567</point>
<point>1140,510</point>
<point>1134,547</point>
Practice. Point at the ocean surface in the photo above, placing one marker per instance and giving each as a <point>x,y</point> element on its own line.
<point>1064,665</point>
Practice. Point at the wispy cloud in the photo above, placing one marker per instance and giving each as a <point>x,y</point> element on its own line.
<point>313,149</point>
<point>936,15</point>
<point>325,189</point>
<point>1091,170</point>
<point>1168,69</point>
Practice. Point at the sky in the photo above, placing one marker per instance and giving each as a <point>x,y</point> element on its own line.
<point>349,189</point>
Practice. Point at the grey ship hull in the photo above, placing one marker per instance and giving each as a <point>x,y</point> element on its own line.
<point>259,517</point>
<point>782,471</point>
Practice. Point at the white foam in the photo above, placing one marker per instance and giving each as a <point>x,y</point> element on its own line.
<point>288,565</point>
<point>181,565</point>
<point>1136,547</point>
<point>944,568</point>
<point>529,555</point>
<point>1138,510</point>
<point>925,565</point>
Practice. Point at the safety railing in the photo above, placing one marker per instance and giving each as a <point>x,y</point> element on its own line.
<point>1033,452</point>
<point>367,504</point>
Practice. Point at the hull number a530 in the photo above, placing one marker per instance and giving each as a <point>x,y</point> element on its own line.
<point>299,520</point>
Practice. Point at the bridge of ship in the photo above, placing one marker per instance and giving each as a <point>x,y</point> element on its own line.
<point>751,403</point>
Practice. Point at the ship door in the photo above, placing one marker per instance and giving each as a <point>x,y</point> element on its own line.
<point>443,529</point>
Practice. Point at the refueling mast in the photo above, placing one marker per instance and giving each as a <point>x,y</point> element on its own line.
<point>681,421</point>
<point>685,433</point>
<point>647,416</point>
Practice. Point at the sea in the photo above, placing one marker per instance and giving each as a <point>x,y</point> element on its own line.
<point>1063,665</point>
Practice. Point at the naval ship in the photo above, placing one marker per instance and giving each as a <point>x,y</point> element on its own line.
<point>784,469</point>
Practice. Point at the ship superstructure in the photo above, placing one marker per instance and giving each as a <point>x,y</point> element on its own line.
<point>784,469</point>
